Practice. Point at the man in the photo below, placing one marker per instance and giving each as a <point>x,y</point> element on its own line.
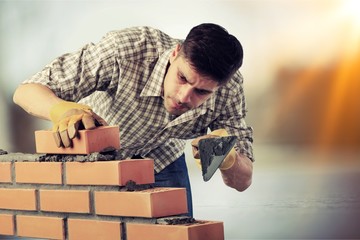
<point>160,91</point>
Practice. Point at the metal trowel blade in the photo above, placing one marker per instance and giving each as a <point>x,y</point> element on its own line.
<point>212,152</point>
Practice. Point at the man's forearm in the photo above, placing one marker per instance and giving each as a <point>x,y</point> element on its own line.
<point>36,99</point>
<point>239,175</point>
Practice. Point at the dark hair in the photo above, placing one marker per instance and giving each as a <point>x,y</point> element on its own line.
<point>212,51</point>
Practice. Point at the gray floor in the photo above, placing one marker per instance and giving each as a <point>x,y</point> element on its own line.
<point>296,194</point>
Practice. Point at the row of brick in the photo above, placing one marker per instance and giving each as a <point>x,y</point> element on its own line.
<point>116,173</point>
<point>99,200</point>
<point>156,202</point>
<point>55,227</point>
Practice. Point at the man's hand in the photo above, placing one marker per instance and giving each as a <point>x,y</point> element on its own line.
<point>236,169</point>
<point>68,118</point>
<point>230,158</point>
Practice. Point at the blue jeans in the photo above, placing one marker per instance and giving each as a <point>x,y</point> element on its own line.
<point>176,175</point>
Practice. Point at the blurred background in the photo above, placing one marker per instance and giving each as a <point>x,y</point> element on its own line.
<point>302,83</point>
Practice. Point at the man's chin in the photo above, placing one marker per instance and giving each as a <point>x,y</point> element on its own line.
<point>176,112</point>
<point>173,110</point>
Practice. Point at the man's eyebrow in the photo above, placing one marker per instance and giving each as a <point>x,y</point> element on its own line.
<point>182,74</point>
<point>187,80</point>
<point>204,90</point>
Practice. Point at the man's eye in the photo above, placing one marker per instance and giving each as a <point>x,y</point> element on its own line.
<point>182,78</point>
<point>202,92</point>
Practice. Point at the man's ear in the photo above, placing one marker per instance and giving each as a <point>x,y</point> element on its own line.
<point>175,53</point>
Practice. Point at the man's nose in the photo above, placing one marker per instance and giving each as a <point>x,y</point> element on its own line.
<point>184,94</point>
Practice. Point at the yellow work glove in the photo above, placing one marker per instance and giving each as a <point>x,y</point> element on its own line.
<point>230,158</point>
<point>68,118</point>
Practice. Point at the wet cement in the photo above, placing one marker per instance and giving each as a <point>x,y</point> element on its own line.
<point>92,157</point>
<point>3,152</point>
<point>176,220</point>
<point>131,186</point>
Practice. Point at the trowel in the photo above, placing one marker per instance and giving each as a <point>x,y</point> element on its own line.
<point>212,153</point>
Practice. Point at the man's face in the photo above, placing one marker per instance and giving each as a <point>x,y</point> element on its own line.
<point>184,89</point>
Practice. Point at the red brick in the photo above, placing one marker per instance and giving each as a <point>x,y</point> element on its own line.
<point>65,201</point>
<point>88,141</point>
<point>38,172</point>
<point>110,172</point>
<point>5,172</point>
<point>20,199</point>
<point>40,227</point>
<point>93,229</point>
<point>157,202</point>
<point>200,230</point>
<point>6,224</point>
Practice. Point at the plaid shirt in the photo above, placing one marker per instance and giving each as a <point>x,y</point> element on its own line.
<point>121,78</point>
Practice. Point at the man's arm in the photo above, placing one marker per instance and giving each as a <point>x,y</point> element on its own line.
<point>67,117</point>
<point>72,77</point>
<point>36,99</point>
<point>236,169</point>
<point>236,173</point>
<point>239,175</point>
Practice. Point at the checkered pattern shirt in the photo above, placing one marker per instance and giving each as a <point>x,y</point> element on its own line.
<point>121,78</point>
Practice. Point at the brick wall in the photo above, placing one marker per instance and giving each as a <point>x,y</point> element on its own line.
<point>94,200</point>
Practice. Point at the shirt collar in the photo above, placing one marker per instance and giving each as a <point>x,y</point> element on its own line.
<point>154,85</point>
<point>210,103</point>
